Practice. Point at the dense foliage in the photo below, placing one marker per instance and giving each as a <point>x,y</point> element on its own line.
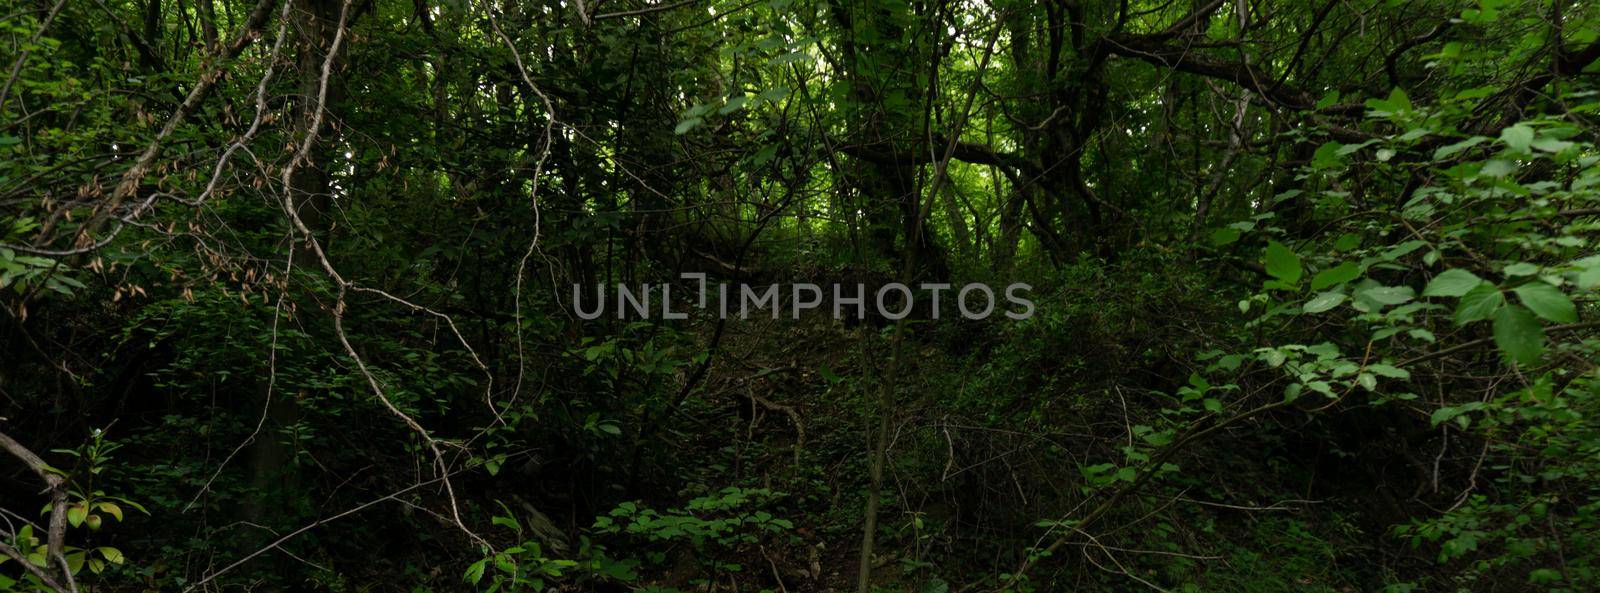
<point>289,295</point>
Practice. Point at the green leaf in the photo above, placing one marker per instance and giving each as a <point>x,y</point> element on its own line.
<point>734,104</point>
<point>1551,144</point>
<point>793,56</point>
<point>1328,99</point>
<point>1518,335</point>
<point>1446,151</point>
<point>111,554</point>
<point>1396,103</point>
<point>686,125</point>
<point>1347,242</point>
<point>1544,575</point>
<point>1095,470</point>
<point>777,93</point>
<point>1443,415</point>
<point>1589,278</point>
<point>1398,99</point>
<point>1497,168</point>
<point>475,571</point>
<point>1339,274</point>
<point>1452,283</point>
<point>1403,249</point>
<point>1354,148</point>
<point>1389,295</point>
<point>76,514</point>
<point>1479,303</point>
<point>1547,301</point>
<point>1517,137</point>
<point>1274,357</point>
<point>829,375</point>
<point>1323,302</point>
<point>1389,371</point>
<point>1521,269</point>
<point>1292,392</point>
<point>1224,236</point>
<point>1327,156</point>
<point>1282,263</point>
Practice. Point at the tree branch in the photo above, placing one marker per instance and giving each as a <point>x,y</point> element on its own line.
<point>129,183</point>
<point>55,484</point>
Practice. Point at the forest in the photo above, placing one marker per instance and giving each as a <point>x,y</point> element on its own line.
<point>778,296</point>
